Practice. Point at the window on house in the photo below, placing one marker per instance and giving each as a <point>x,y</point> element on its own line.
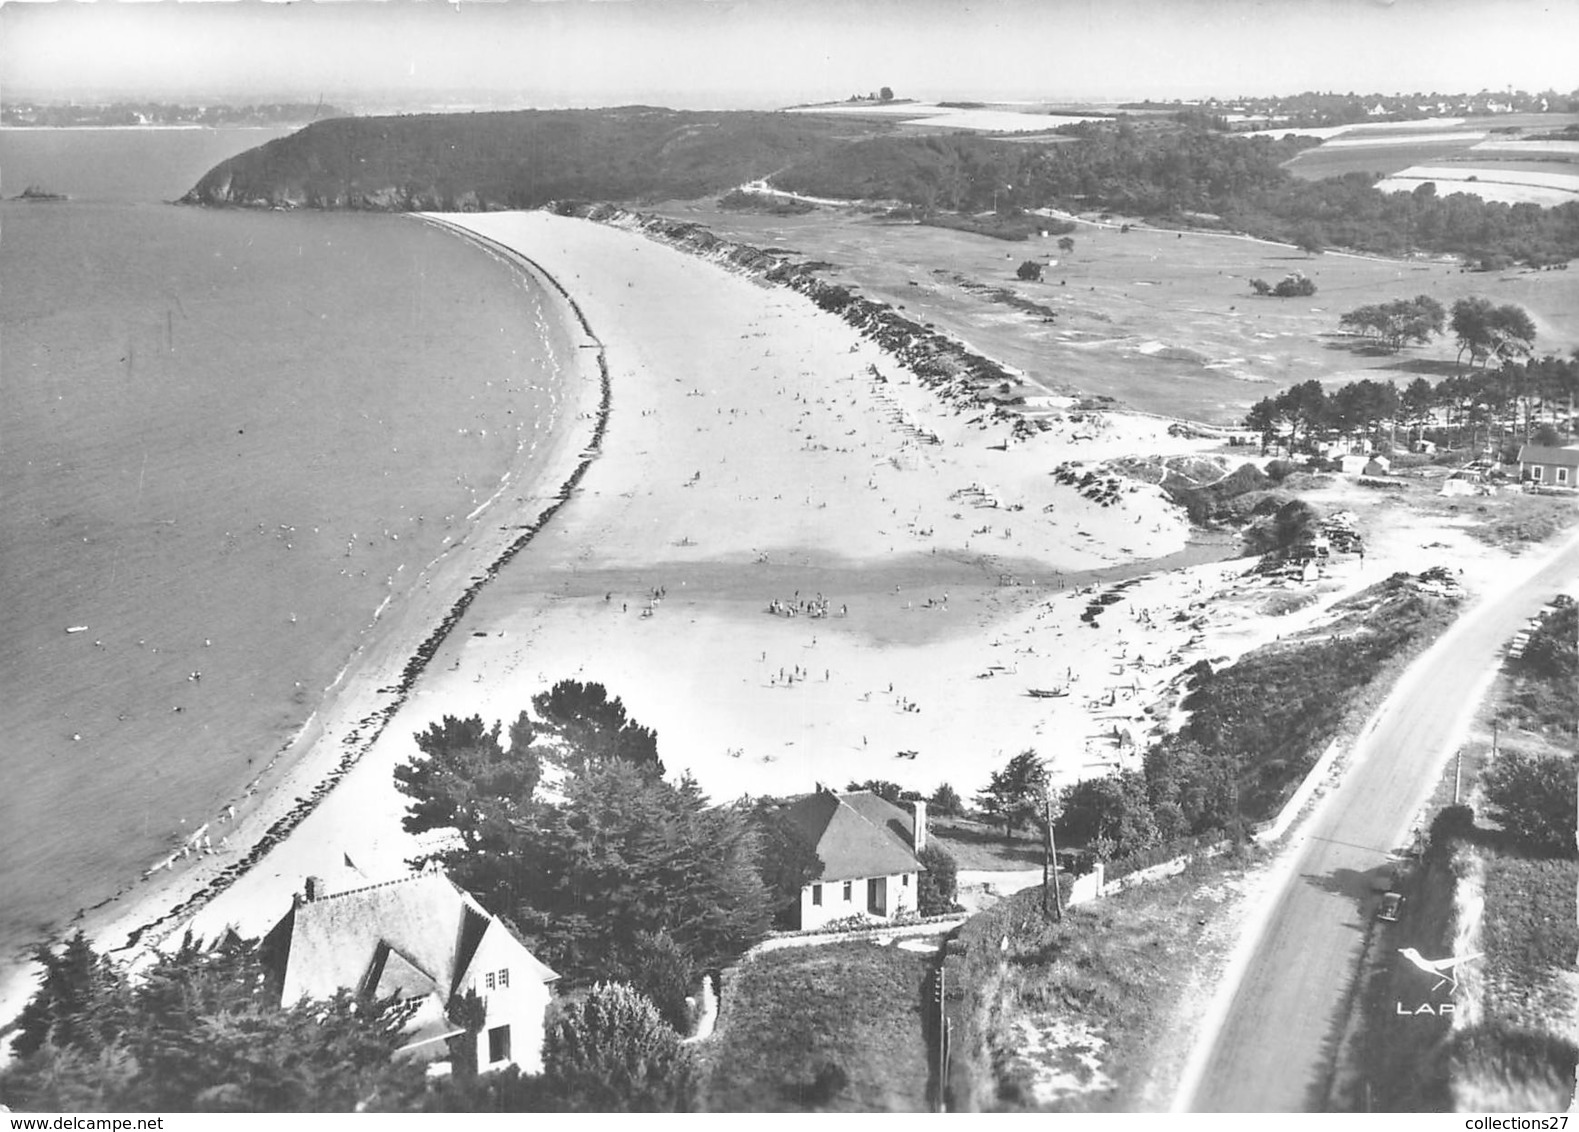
<point>816,894</point>
<point>1535,473</point>
<point>488,980</point>
<point>504,978</point>
<point>847,885</point>
<point>498,1044</point>
<point>1562,475</point>
<point>906,881</point>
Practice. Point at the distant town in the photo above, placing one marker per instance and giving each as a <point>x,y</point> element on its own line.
<point>120,114</point>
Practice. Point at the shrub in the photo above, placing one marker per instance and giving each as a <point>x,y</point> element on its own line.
<point>1295,285</point>
<point>1533,796</point>
<point>660,969</point>
<point>613,1052</point>
<point>945,802</point>
<point>938,887</point>
<point>1450,824</point>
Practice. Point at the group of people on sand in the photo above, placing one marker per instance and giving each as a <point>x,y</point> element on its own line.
<point>654,596</point>
<point>805,607</point>
<point>796,673</point>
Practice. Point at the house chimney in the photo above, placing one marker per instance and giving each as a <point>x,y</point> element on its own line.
<point>918,830</point>
<point>314,890</point>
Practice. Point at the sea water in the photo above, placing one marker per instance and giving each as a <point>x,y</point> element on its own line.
<point>228,440</point>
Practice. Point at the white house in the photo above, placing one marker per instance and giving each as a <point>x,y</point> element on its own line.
<point>425,939</point>
<point>868,849</point>
<point>1549,467</point>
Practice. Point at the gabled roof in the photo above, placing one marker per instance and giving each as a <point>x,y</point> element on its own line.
<point>1535,454</point>
<point>417,935</point>
<point>856,835</point>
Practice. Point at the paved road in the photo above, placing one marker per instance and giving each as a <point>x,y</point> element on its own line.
<point>1273,1048</point>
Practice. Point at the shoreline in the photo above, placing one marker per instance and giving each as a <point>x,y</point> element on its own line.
<point>318,756</point>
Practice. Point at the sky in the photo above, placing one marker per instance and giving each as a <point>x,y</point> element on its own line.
<point>415,54</point>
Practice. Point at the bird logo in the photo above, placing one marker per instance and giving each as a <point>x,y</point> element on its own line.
<point>1443,969</point>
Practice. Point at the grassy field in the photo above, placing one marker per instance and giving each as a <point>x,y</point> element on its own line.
<point>1161,321</point>
<point>1322,162</point>
<point>1095,1014</point>
<point>834,1028</point>
<point>977,845</point>
<point>1531,934</point>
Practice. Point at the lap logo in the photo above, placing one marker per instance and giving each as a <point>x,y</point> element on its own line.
<point>1443,1011</point>
<point>1443,969</point>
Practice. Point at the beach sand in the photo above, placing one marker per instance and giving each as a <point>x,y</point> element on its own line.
<point>759,450</point>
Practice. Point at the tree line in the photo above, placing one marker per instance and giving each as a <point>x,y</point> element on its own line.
<point>1514,396</point>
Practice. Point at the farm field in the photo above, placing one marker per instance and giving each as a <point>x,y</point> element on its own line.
<point>1325,161</point>
<point>1387,148</point>
<point>1161,321</point>
<point>1565,149</point>
<point>1491,181</point>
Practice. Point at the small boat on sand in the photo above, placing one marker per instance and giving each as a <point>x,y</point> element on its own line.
<point>1048,693</point>
<point>76,628</point>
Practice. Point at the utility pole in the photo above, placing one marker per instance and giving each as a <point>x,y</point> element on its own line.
<point>1050,865</point>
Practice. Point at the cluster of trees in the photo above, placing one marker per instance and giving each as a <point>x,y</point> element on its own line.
<point>1120,166</point>
<point>618,873</point>
<point>1533,797</point>
<point>1349,211</point>
<point>1514,392</point>
<point>1181,793</point>
<point>1295,284</point>
<point>1485,330</point>
<point>1398,323</point>
<point>1520,400</point>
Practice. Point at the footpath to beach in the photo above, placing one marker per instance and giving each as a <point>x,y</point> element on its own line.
<point>760,457</point>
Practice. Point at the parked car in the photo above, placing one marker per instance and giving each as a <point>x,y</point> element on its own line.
<point>1392,904</point>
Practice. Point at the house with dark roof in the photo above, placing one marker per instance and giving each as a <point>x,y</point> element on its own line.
<point>423,938</point>
<point>868,849</point>
<point>1549,467</point>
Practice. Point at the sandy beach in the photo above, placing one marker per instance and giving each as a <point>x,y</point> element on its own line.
<point>760,459</point>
